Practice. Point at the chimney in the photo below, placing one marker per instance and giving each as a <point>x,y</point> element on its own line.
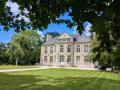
<point>77,35</point>
<point>49,37</point>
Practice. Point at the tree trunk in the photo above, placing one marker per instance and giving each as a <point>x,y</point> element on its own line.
<point>111,68</point>
<point>16,62</point>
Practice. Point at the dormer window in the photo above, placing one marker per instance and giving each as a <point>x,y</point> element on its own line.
<point>68,40</point>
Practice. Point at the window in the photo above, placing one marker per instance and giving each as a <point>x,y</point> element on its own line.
<point>77,59</point>
<point>55,57</point>
<point>64,40</point>
<point>86,59</point>
<point>68,40</point>
<point>78,48</point>
<point>85,48</point>
<point>55,48</point>
<point>68,58</point>
<point>45,49</point>
<point>61,58</point>
<point>51,58</point>
<point>45,59</point>
<point>69,48</point>
<point>51,49</point>
<point>60,40</point>
<point>61,48</point>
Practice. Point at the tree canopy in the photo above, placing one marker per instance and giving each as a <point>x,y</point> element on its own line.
<point>43,12</point>
<point>24,48</point>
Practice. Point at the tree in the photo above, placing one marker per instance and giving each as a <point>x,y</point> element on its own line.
<point>25,47</point>
<point>103,57</point>
<point>15,52</point>
<point>97,54</point>
<point>51,10</point>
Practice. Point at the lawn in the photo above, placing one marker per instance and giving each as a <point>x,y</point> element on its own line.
<point>59,79</point>
<point>2,67</point>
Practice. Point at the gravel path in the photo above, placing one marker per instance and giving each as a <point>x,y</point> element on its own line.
<point>44,67</point>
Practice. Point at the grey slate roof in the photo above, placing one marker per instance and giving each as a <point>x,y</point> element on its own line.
<point>51,41</point>
<point>82,38</point>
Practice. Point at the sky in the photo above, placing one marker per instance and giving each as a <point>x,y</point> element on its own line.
<point>6,36</point>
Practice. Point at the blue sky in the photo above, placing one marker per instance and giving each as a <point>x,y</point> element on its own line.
<point>5,36</point>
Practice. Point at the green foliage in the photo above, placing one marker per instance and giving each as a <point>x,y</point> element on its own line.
<point>15,52</point>
<point>104,57</point>
<point>25,47</point>
<point>3,56</point>
<point>43,12</point>
<point>116,57</point>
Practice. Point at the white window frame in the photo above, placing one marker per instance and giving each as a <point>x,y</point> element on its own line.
<point>78,48</point>
<point>77,59</point>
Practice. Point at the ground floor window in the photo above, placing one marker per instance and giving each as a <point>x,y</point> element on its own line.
<point>86,60</point>
<point>68,58</point>
<point>51,58</point>
<point>45,59</point>
<point>77,59</point>
<point>55,57</point>
<point>61,58</point>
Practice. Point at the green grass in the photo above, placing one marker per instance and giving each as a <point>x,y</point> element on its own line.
<point>2,67</point>
<point>60,79</point>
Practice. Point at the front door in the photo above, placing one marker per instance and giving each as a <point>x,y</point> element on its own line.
<point>61,60</point>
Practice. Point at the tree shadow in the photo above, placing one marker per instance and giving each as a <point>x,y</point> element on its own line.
<point>32,82</point>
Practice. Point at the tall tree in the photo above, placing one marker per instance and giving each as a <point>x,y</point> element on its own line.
<point>15,52</point>
<point>25,47</point>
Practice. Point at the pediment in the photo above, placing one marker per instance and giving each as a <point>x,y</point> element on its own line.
<point>65,35</point>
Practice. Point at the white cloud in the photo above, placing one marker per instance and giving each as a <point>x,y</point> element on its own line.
<point>15,9</point>
<point>25,18</point>
<point>41,35</point>
<point>75,29</point>
<point>87,27</point>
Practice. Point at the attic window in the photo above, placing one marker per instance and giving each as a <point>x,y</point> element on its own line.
<point>68,40</point>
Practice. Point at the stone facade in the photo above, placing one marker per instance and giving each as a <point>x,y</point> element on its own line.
<point>66,50</point>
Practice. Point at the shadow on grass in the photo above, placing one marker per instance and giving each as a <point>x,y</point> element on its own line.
<point>31,82</point>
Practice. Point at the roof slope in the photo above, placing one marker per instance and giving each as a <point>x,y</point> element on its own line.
<point>81,38</point>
